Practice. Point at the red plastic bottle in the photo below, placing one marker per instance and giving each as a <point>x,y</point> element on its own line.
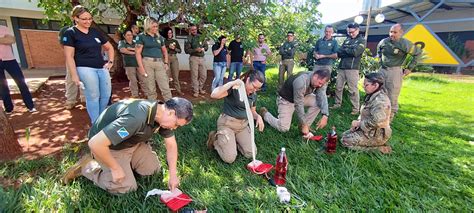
<point>281,168</point>
<point>332,141</point>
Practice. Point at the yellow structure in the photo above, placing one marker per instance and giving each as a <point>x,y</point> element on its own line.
<point>437,53</point>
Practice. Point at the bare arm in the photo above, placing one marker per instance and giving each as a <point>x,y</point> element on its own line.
<point>165,54</point>
<point>71,64</point>
<point>221,92</point>
<point>110,52</point>
<point>172,159</point>
<point>7,39</point>
<point>138,56</point>
<point>99,145</point>
<point>126,51</point>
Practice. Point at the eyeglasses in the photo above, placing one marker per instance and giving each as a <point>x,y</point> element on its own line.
<point>256,88</point>
<point>86,19</point>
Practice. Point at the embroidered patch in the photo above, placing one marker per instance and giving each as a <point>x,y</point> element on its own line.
<point>97,40</point>
<point>64,39</point>
<point>122,132</point>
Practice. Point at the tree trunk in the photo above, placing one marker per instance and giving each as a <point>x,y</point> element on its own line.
<point>9,145</point>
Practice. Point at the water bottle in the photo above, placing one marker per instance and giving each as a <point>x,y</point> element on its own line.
<point>332,141</point>
<point>281,168</point>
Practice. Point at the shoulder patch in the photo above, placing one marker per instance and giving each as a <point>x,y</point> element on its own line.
<point>64,38</point>
<point>122,132</point>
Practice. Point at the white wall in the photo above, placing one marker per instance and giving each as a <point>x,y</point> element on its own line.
<point>184,58</point>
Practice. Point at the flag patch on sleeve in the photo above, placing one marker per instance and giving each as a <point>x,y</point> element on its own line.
<point>122,132</point>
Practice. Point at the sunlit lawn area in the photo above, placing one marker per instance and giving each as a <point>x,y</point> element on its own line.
<point>431,167</point>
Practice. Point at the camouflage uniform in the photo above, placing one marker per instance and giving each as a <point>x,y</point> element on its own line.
<point>374,130</point>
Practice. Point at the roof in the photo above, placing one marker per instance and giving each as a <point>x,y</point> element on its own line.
<point>399,12</point>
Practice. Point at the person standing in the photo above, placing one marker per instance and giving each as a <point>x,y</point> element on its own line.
<point>350,53</point>
<point>196,47</point>
<point>173,47</point>
<point>127,48</point>
<point>260,54</point>
<point>71,88</point>
<point>118,143</point>
<point>236,52</point>
<point>392,52</point>
<point>9,63</point>
<point>219,50</point>
<point>325,50</point>
<point>371,131</point>
<point>135,30</point>
<point>83,51</point>
<point>300,90</point>
<point>233,131</point>
<point>287,51</point>
<point>152,59</point>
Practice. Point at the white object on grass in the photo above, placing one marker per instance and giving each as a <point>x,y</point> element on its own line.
<point>283,194</point>
<point>243,97</point>
<point>156,192</point>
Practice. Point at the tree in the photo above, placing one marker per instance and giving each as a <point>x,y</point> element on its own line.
<point>9,146</point>
<point>214,18</point>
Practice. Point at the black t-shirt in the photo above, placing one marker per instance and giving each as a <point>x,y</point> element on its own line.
<point>234,107</point>
<point>221,57</point>
<point>87,47</point>
<point>236,51</point>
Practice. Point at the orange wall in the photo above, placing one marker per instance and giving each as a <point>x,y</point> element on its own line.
<point>42,49</point>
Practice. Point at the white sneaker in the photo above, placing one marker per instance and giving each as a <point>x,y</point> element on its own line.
<point>33,110</point>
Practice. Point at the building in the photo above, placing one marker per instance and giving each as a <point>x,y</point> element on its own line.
<point>445,18</point>
<point>37,43</point>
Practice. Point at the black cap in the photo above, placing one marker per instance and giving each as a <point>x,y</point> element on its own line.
<point>353,26</point>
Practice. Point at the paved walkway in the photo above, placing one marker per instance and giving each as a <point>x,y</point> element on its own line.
<point>35,78</point>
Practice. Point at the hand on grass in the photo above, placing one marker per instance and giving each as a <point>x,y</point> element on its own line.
<point>260,125</point>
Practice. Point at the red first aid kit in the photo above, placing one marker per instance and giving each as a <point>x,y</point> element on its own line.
<point>175,200</point>
<point>316,138</point>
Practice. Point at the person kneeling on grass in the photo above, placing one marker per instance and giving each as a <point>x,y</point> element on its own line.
<point>118,143</point>
<point>371,131</point>
<point>233,131</point>
<point>300,90</point>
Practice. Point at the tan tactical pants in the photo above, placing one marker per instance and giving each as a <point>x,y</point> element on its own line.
<point>393,77</point>
<point>174,69</point>
<point>285,113</point>
<point>139,158</point>
<point>134,79</point>
<point>352,79</point>
<point>156,73</point>
<point>365,141</point>
<point>286,65</point>
<point>232,134</point>
<point>72,89</point>
<point>198,73</point>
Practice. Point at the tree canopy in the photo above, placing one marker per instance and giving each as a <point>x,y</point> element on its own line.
<point>214,18</point>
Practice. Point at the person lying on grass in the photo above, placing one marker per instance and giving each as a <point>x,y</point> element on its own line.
<point>371,131</point>
<point>233,131</point>
<point>118,142</point>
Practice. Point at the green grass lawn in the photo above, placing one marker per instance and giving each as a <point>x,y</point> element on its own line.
<point>431,167</point>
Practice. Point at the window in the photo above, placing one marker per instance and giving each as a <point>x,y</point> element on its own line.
<point>55,25</point>
<point>3,22</point>
<point>26,23</point>
<point>40,25</point>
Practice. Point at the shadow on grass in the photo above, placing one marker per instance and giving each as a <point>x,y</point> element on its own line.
<point>429,79</point>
